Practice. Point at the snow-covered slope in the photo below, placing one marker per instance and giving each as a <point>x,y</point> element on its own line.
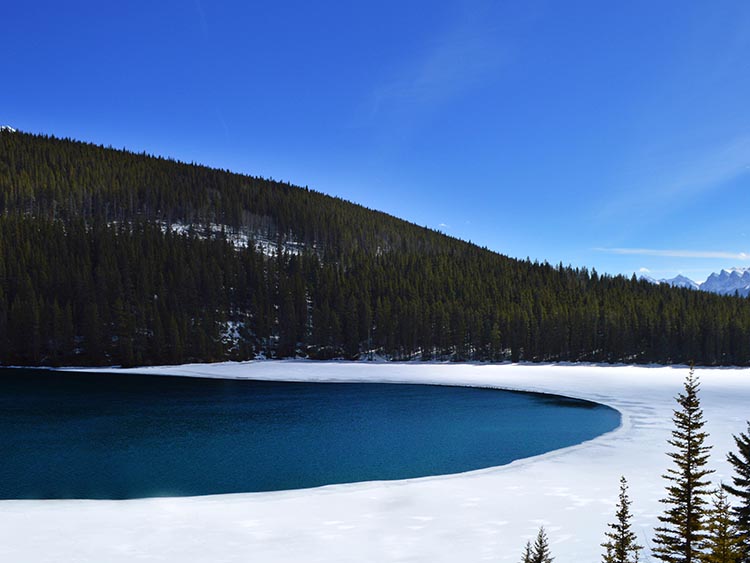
<point>240,238</point>
<point>7,128</point>
<point>484,515</point>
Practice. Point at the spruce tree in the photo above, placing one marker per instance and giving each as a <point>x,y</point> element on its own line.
<point>621,546</point>
<point>680,537</point>
<point>82,226</point>
<point>527,553</point>
<point>540,552</point>
<point>722,542</point>
<point>740,488</point>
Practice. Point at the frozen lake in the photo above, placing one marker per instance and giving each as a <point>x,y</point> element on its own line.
<point>115,436</point>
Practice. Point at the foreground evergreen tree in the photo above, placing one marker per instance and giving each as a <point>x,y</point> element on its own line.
<point>527,553</point>
<point>540,552</point>
<point>621,546</point>
<point>740,488</point>
<point>682,534</point>
<point>722,542</point>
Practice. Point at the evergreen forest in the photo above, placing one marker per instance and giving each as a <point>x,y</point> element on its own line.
<point>112,257</point>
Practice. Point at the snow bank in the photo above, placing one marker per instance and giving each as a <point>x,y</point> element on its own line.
<point>483,515</point>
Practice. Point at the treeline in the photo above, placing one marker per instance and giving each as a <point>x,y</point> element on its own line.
<point>68,180</point>
<point>91,272</point>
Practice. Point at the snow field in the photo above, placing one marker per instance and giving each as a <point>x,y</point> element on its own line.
<point>484,515</point>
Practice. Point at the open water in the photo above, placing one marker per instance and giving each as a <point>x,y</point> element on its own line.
<point>110,436</point>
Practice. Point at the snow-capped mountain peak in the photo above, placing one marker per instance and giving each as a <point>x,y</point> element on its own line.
<point>726,282</point>
<point>677,281</point>
<point>735,271</point>
<point>7,128</point>
<point>682,281</point>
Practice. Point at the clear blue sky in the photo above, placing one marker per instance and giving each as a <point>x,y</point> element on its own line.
<point>614,135</point>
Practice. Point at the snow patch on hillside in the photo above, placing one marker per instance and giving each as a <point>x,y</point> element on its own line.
<point>273,248</point>
<point>231,335</point>
<point>239,238</point>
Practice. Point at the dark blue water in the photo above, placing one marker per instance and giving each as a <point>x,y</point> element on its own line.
<point>66,435</point>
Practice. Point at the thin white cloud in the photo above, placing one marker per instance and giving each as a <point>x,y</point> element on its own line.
<point>453,66</point>
<point>719,254</point>
<point>686,177</point>
<point>201,18</point>
<point>644,271</point>
<point>443,225</point>
<point>222,121</point>
<point>454,61</point>
<point>715,169</point>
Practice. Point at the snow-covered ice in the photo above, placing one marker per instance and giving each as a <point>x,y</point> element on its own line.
<point>484,515</point>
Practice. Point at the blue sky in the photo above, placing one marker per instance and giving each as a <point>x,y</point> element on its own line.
<point>600,134</point>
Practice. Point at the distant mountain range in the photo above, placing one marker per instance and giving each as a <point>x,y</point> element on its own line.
<point>726,282</point>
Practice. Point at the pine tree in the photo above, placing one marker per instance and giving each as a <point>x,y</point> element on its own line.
<point>540,552</point>
<point>722,543</point>
<point>621,546</point>
<point>527,553</point>
<point>740,488</point>
<point>82,226</point>
<point>683,530</point>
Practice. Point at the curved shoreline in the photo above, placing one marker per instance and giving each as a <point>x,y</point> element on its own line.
<point>224,370</point>
<point>251,435</point>
<point>485,514</point>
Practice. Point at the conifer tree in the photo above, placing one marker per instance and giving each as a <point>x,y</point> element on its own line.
<point>540,552</point>
<point>740,488</point>
<point>722,542</point>
<point>621,546</point>
<point>84,226</point>
<point>527,553</point>
<point>682,534</point>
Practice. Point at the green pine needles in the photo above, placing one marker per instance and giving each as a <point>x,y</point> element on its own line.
<point>740,489</point>
<point>109,257</point>
<point>683,530</point>
<point>722,541</point>
<point>621,545</point>
<point>528,553</point>
<point>539,552</point>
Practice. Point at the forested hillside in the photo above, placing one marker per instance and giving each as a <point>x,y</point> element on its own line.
<point>111,257</point>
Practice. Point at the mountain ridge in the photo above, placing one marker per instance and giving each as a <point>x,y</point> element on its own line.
<point>727,281</point>
<point>109,257</point>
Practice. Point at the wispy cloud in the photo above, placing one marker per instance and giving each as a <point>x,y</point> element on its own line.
<point>201,17</point>
<point>685,177</point>
<point>454,61</point>
<point>222,121</point>
<point>454,64</point>
<point>718,254</point>
<point>713,170</point>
